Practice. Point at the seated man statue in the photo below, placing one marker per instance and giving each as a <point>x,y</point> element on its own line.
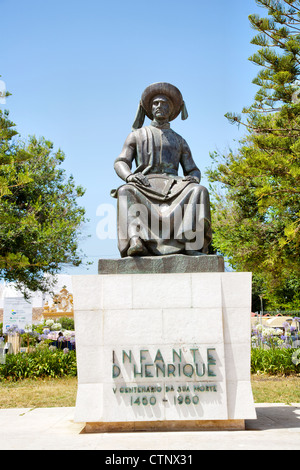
<point>159,212</point>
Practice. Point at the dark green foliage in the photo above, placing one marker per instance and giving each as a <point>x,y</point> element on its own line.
<point>41,363</point>
<point>67,323</point>
<point>40,219</point>
<point>273,361</point>
<point>256,203</point>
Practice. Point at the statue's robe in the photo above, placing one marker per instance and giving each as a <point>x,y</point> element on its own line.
<point>171,215</point>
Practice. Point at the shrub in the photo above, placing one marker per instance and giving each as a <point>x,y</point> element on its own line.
<point>273,361</point>
<point>40,363</point>
<point>67,323</point>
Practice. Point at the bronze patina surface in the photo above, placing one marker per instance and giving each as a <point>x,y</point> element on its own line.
<point>159,212</point>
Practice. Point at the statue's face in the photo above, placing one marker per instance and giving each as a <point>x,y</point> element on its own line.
<point>161,108</point>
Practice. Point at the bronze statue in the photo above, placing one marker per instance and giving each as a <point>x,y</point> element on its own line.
<point>159,212</point>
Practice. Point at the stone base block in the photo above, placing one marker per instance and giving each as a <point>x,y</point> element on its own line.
<point>162,264</point>
<point>169,426</point>
<point>164,351</point>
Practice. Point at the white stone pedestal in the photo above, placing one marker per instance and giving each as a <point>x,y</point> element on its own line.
<point>163,351</point>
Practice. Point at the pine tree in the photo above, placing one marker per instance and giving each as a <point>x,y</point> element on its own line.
<point>10,153</point>
<point>257,211</point>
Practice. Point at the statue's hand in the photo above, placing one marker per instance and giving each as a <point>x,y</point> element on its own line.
<point>138,178</point>
<point>191,178</point>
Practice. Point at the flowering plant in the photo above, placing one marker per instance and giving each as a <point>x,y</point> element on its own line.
<point>44,334</point>
<point>266,337</point>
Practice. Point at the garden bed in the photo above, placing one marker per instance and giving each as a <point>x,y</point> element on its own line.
<point>40,363</point>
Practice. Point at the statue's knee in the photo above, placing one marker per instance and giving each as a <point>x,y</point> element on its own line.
<point>198,188</point>
<point>203,189</point>
<point>124,190</point>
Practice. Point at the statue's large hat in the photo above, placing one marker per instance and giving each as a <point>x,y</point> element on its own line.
<point>159,88</point>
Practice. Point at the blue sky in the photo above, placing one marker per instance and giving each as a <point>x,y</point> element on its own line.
<point>76,71</point>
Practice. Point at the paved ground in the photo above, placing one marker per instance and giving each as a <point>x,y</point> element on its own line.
<point>277,427</point>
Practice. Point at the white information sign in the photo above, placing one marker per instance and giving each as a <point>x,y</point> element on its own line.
<point>17,312</point>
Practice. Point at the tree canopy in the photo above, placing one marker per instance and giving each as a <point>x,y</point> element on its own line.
<point>40,219</point>
<point>256,203</point>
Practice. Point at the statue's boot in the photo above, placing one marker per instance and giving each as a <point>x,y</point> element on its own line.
<point>136,247</point>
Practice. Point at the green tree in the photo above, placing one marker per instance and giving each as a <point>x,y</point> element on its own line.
<point>10,153</point>
<point>40,219</point>
<point>256,205</point>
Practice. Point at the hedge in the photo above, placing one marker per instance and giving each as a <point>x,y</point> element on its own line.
<point>274,361</point>
<point>40,363</point>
